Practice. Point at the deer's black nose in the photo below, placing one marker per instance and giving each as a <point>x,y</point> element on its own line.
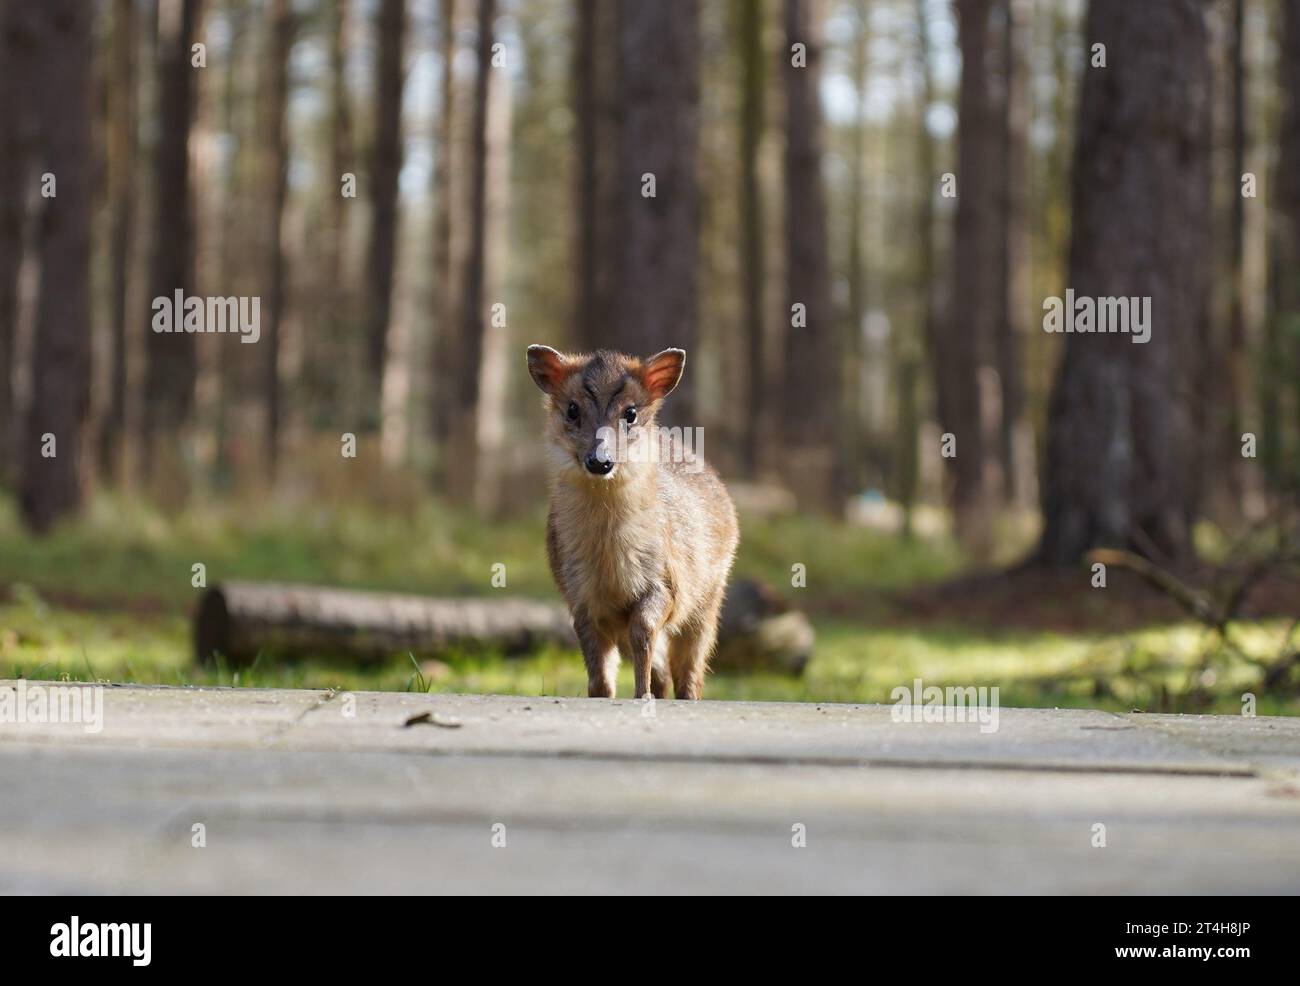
<point>601,467</point>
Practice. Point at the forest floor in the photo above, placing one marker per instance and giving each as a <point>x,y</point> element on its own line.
<point>108,598</point>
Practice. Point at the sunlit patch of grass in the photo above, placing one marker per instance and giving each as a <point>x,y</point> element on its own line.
<point>851,664</point>
<point>107,597</point>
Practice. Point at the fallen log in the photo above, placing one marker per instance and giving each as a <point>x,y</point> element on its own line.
<point>236,621</point>
<point>239,620</point>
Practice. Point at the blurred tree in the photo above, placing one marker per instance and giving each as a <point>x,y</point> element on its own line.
<point>461,473</point>
<point>749,46</point>
<point>53,437</point>
<point>1286,246</point>
<point>978,287</point>
<point>1117,470</point>
<point>171,357</point>
<point>17,133</point>
<point>231,261</point>
<point>337,323</point>
<point>121,194</point>
<point>275,168</point>
<point>657,188</point>
<point>595,131</point>
<point>443,309</point>
<point>927,284</point>
<point>1015,443</point>
<point>811,366</point>
<point>854,435</point>
<point>1229,449</point>
<point>385,166</point>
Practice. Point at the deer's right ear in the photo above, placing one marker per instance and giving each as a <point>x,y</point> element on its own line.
<point>547,367</point>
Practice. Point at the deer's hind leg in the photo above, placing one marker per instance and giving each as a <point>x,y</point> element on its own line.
<point>690,650</point>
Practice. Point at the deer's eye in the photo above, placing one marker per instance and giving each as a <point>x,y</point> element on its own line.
<point>630,415</point>
<point>573,411</point>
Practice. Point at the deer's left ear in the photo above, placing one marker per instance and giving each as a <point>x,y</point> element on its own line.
<point>662,372</point>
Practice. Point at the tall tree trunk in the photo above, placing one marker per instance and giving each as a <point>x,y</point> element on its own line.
<point>1117,471</point>
<point>444,302</point>
<point>749,45</point>
<point>811,369</point>
<point>977,284</point>
<point>385,166</point>
<point>656,266</point>
<point>471,317</point>
<point>595,52</point>
<point>171,357</point>
<point>238,16</point>
<point>121,194</point>
<point>18,27</point>
<point>53,435</point>
<point>1286,245</point>
<point>275,166</point>
<point>339,403</point>
<point>1015,443</point>
<point>927,284</point>
<point>858,432</point>
<point>1235,370</point>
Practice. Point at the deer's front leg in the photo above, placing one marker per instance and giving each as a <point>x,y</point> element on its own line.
<point>644,623</point>
<point>598,653</point>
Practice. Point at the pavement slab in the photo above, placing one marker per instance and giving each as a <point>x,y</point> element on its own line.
<point>322,792</point>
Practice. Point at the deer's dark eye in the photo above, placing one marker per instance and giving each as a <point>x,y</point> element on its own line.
<point>630,415</point>
<point>573,411</point>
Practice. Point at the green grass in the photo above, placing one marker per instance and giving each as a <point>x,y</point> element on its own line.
<point>119,552</point>
<point>107,598</point>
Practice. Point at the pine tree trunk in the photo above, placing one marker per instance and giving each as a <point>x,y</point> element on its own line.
<point>462,473</point>
<point>275,177</point>
<point>595,132</point>
<point>121,194</point>
<point>811,370</point>
<point>19,23</point>
<point>1118,470</point>
<point>1235,370</point>
<point>858,435</point>
<point>657,262</point>
<point>444,306</point>
<point>171,357</point>
<point>385,166</point>
<point>749,44</point>
<point>1015,443</point>
<point>337,400</point>
<point>927,284</point>
<point>977,284</point>
<point>53,435</point>
<point>1287,241</point>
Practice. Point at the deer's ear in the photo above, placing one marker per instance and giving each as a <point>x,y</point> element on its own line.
<point>662,372</point>
<point>548,368</point>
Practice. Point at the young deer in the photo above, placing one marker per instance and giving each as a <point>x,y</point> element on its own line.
<point>640,548</point>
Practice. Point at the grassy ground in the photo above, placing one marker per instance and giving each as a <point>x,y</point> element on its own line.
<point>108,597</point>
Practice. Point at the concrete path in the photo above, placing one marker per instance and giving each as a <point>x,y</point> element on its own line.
<point>305,792</point>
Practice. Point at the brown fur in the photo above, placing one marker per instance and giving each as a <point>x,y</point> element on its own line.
<point>641,555</point>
